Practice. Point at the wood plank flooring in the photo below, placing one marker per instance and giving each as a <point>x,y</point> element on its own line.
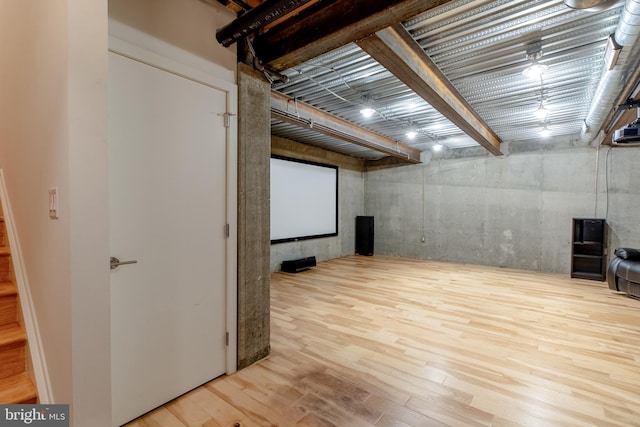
<point>380,341</point>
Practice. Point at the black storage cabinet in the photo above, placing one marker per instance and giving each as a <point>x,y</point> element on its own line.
<point>588,249</point>
<point>364,235</point>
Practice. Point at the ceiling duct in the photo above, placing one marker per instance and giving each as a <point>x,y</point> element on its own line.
<point>591,5</point>
<point>611,84</point>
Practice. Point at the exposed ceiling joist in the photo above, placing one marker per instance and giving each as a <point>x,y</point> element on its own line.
<point>398,52</point>
<point>256,19</point>
<point>329,24</point>
<point>296,112</point>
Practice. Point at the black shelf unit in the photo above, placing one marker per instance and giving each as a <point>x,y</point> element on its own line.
<point>588,256</point>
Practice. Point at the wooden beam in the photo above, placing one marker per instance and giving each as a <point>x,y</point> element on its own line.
<point>624,118</point>
<point>296,112</point>
<point>330,24</point>
<point>398,52</point>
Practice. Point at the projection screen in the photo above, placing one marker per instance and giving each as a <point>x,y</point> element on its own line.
<point>304,200</point>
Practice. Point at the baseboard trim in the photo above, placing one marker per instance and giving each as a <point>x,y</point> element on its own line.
<point>35,347</point>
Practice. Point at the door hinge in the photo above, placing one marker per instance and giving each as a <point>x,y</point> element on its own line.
<point>227,231</point>
<point>226,339</point>
<point>227,118</point>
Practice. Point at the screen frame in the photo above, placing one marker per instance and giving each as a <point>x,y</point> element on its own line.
<point>336,219</point>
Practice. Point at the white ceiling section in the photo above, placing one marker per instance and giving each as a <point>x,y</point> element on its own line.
<point>481,47</point>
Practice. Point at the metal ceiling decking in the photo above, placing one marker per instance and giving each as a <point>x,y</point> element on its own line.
<point>481,48</point>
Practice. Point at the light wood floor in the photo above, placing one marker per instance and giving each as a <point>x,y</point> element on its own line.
<point>378,341</point>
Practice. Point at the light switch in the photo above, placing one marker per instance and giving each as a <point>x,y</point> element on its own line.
<point>53,203</point>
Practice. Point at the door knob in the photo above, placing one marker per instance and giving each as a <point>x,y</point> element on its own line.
<point>115,262</point>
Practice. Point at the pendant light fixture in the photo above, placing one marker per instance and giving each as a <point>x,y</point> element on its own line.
<point>367,111</point>
<point>412,132</point>
<point>541,113</point>
<point>535,70</point>
<point>545,132</point>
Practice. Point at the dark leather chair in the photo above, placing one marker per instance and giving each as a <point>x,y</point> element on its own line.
<point>623,272</point>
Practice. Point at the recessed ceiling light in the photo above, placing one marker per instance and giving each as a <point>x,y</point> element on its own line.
<point>437,147</point>
<point>411,134</point>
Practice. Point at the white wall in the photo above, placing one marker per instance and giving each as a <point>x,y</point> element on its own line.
<point>53,134</point>
<point>33,153</point>
<point>169,27</point>
<point>88,210</point>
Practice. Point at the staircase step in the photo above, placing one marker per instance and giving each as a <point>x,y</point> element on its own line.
<point>3,233</point>
<point>5,265</point>
<point>8,288</point>
<point>11,334</point>
<point>5,251</point>
<point>17,389</point>
<point>8,303</point>
<point>12,351</point>
<point>8,309</point>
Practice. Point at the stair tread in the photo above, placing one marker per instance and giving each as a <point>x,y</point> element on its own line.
<point>4,250</point>
<point>17,389</point>
<point>8,288</point>
<point>10,334</point>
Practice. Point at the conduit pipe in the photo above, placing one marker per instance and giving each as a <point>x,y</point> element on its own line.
<point>608,96</point>
<point>256,19</point>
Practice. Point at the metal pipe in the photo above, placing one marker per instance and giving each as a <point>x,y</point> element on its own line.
<point>629,26</point>
<point>256,19</point>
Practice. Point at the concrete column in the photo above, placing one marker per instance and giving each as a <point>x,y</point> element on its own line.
<point>254,153</point>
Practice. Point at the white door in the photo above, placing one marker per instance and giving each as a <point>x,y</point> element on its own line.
<point>167,167</point>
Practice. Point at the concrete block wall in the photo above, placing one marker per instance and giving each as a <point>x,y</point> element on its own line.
<point>511,211</point>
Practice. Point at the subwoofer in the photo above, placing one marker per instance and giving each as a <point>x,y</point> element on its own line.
<point>298,265</point>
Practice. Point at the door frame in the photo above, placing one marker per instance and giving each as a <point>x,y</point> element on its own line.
<point>202,73</point>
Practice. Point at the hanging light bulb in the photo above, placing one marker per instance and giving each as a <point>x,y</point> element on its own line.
<point>367,111</point>
<point>535,70</point>
<point>412,132</point>
<point>541,112</point>
<point>545,132</point>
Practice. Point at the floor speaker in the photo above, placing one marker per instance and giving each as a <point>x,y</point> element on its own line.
<point>364,235</point>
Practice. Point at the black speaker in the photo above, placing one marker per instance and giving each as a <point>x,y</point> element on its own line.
<point>298,265</point>
<point>593,230</point>
<point>364,235</point>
